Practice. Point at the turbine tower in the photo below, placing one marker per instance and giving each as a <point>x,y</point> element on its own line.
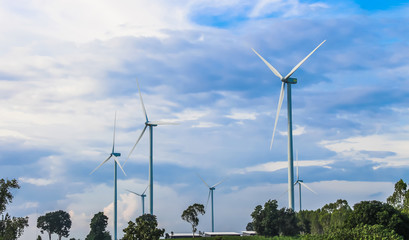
<point>211,189</point>
<point>287,81</point>
<point>301,182</point>
<point>116,163</point>
<point>149,124</point>
<point>143,195</point>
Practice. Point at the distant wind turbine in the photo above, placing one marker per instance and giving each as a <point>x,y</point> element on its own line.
<point>143,195</point>
<point>211,189</point>
<point>149,124</point>
<point>301,182</point>
<point>287,81</point>
<point>116,163</point>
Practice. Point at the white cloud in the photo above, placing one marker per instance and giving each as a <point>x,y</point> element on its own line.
<point>238,115</point>
<point>36,181</point>
<point>297,131</point>
<point>206,125</point>
<point>275,166</point>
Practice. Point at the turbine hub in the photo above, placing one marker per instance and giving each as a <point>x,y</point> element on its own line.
<point>290,80</point>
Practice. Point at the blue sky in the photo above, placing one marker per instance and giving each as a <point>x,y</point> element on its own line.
<point>66,67</point>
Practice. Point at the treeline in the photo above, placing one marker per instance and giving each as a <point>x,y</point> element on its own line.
<point>365,220</point>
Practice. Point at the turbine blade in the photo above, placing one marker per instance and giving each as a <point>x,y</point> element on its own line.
<point>269,65</point>
<point>163,123</point>
<point>208,197</point>
<point>305,185</point>
<point>116,160</point>
<point>296,156</point>
<point>145,189</point>
<point>140,96</point>
<point>137,141</point>
<point>280,102</point>
<point>133,192</point>
<point>113,141</point>
<point>106,160</point>
<point>302,61</point>
<point>219,182</point>
<point>203,180</point>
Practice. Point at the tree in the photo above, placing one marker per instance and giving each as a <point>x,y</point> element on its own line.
<point>400,197</point>
<point>250,226</point>
<point>98,224</point>
<point>375,212</point>
<point>271,221</point>
<point>190,215</point>
<point>144,228</point>
<point>11,228</point>
<point>57,222</point>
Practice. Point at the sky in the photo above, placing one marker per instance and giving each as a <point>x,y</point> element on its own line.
<point>66,67</point>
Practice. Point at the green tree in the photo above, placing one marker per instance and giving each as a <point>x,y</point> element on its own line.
<point>271,221</point>
<point>144,228</point>
<point>98,225</point>
<point>375,212</point>
<point>57,222</point>
<point>250,226</point>
<point>400,197</point>
<point>190,215</point>
<point>10,227</point>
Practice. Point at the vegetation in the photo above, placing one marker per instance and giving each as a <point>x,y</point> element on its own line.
<point>57,222</point>
<point>190,215</point>
<point>98,225</point>
<point>144,228</point>
<point>11,228</point>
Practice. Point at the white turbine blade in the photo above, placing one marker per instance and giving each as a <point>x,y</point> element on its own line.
<point>208,197</point>
<point>219,182</point>
<point>302,61</point>
<point>133,192</point>
<point>269,65</point>
<point>113,141</point>
<point>106,160</point>
<point>203,180</point>
<point>145,190</point>
<point>116,160</point>
<point>305,185</point>
<point>163,123</point>
<point>143,105</point>
<point>137,141</point>
<point>296,156</point>
<point>280,102</point>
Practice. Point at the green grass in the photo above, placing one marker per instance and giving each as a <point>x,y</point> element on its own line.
<point>244,238</point>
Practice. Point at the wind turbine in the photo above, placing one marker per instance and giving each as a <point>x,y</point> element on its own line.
<point>287,81</point>
<point>116,163</point>
<point>211,189</point>
<point>143,195</point>
<point>149,124</point>
<point>301,182</point>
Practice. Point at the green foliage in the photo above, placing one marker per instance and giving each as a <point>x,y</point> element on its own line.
<point>190,215</point>
<point>375,212</point>
<point>271,221</point>
<point>250,226</point>
<point>10,227</point>
<point>144,228</point>
<point>364,232</point>
<point>98,225</point>
<point>400,197</point>
<point>247,238</point>
<point>57,222</point>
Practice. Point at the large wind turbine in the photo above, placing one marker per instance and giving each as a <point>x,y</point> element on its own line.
<point>211,189</point>
<point>116,163</point>
<point>287,81</point>
<point>301,182</point>
<point>149,124</point>
<point>143,195</point>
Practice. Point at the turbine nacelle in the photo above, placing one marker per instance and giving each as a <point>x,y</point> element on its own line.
<point>289,80</point>
<point>116,154</point>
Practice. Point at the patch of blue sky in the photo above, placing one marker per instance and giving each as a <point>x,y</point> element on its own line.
<point>375,5</point>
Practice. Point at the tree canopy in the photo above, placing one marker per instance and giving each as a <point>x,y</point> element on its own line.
<point>57,222</point>
<point>10,227</point>
<point>191,214</point>
<point>98,225</point>
<point>144,228</point>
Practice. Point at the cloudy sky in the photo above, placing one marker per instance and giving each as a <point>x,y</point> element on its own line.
<point>67,66</point>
